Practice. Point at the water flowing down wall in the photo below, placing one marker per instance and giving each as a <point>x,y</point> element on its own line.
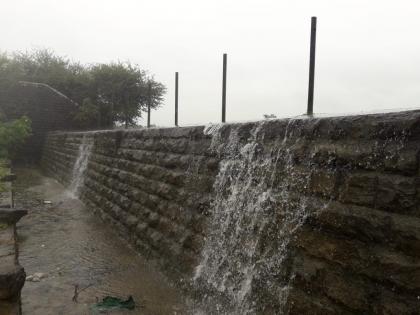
<point>80,166</point>
<point>294,216</point>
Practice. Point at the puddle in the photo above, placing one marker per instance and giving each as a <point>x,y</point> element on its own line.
<point>64,241</point>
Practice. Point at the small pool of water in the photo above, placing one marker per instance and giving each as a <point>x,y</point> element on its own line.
<point>65,241</point>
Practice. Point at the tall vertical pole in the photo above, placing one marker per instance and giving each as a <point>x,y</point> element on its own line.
<point>312,68</point>
<point>149,101</point>
<point>176,99</point>
<point>148,115</point>
<point>224,88</point>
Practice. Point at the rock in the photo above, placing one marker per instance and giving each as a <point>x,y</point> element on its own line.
<point>12,278</point>
<point>360,189</point>
<point>36,277</point>
<point>11,216</point>
<point>40,275</point>
<point>8,178</point>
<point>132,221</point>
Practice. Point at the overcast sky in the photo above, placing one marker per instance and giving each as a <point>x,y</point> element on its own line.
<point>368,52</point>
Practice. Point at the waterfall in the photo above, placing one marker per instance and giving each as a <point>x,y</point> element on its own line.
<point>254,215</point>
<point>80,166</point>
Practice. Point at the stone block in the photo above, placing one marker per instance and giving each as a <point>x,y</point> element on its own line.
<point>153,220</point>
<point>389,302</point>
<point>360,189</point>
<point>396,231</point>
<point>300,302</point>
<point>404,160</point>
<point>323,182</point>
<point>131,221</point>
<point>12,278</point>
<point>349,291</point>
<point>11,216</point>
<point>193,242</point>
<point>396,193</point>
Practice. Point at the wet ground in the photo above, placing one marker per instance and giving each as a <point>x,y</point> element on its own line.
<point>71,247</point>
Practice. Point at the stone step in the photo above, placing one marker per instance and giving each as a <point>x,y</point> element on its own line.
<point>12,275</point>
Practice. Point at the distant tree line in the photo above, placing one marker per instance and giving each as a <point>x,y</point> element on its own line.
<point>115,93</point>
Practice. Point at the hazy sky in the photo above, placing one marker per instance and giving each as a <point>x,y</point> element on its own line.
<point>368,51</point>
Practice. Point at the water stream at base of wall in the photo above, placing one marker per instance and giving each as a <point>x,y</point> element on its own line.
<point>80,165</point>
<point>254,215</point>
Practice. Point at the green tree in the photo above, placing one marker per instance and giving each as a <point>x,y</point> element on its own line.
<point>88,114</point>
<point>107,94</point>
<point>123,92</point>
<point>12,135</point>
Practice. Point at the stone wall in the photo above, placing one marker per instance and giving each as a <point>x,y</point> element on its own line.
<point>12,274</point>
<point>153,186</point>
<point>294,216</point>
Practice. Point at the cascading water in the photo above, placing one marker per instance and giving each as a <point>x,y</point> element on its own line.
<point>80,166</point>
<point>253,218</point>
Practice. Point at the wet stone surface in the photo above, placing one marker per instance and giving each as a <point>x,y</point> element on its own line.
<point>288,216</point>
<point>67,246</point>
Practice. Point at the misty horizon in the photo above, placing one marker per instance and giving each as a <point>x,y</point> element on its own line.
<point>367,54</point>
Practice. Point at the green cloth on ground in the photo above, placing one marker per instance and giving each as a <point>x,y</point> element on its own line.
<point>114,303</point>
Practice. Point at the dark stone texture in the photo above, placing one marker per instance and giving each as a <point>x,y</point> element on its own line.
<point>11,215</point>
<point>12,279</point>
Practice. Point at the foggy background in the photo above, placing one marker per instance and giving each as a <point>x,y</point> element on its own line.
<point>368,52</point>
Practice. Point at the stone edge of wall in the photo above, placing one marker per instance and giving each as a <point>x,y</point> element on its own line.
<point>12,274</point>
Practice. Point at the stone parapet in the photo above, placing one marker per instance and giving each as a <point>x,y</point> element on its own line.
<point>12,275</point>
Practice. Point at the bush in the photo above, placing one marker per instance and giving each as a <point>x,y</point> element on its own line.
<point>109,94</point>
<point>12,135</point>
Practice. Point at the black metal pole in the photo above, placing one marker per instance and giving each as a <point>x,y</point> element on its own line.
<point>148,103</point>
<point>176,99</point>
<point>312,68</point>
<point>148,115</point>
<point>224,89</point>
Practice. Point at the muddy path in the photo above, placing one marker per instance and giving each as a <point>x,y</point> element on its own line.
<point>63,240</point>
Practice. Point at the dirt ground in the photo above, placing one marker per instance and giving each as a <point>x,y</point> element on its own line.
<point>63,240</point>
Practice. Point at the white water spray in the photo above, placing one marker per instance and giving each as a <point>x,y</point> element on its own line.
<point>80,166</point>
<point>254,217</point>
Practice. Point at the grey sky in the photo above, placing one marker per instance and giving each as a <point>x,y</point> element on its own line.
<point>368,52</point>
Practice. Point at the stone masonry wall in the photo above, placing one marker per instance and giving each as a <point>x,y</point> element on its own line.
<point>357,250</point>
<point>153,186</point>
<point>12,274</point>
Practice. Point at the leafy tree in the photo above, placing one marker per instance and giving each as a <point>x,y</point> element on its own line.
<point>87,114</point>
<point>123,91</point>
<point>12,135</point>
<point>154,94</point>
<point>10,71</point>
<point>107,94</point>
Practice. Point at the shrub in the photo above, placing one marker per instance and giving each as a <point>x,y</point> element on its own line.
<point>12,135</point>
